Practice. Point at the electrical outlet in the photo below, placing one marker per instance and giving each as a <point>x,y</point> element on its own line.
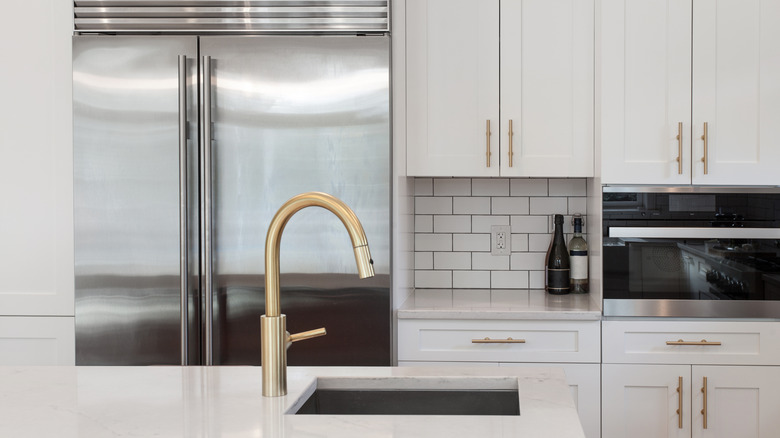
<point>500,240</point>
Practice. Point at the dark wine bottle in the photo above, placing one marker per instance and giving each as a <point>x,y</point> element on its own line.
<point>558,268</point>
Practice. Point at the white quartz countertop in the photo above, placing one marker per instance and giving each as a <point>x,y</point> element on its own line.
<point>226,402</point>
<point>497,304</point>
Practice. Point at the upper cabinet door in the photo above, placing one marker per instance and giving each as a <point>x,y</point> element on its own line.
<point>646,91</point>
<point>547,87</point>
<point>452,87</point>
<point>736,91</point>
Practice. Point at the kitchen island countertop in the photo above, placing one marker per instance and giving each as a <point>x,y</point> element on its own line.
<point>172,401</point>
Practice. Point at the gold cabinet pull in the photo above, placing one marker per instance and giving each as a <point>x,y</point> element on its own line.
<point>679,148</point>
<point>487,340</point>
<point>679,403</point>
<point>704,410</point>
<point>487,141</point>
<point>706,139</point>
<point>702,342</point>
<point>511,134</point>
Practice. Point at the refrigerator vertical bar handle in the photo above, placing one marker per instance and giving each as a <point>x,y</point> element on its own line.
<point>205,212</point>
<point>183,223</point>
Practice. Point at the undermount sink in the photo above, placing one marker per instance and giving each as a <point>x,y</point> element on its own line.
<point>410,396</point>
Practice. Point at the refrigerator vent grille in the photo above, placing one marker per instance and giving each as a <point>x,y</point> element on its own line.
<point>231,16</point>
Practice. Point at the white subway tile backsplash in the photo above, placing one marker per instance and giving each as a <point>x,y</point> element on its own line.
<point>528,261</point>
<point>530,224</point>
<point>489,262</point>
<point>471,279</point>
<point>451,260</point>
<point>423,187</point>
<point>434,279</point>
<point>452,187</point>
<point>451,224</point>
<point>433,242</point>
<point>539,242</point>
<point>423,223</point>
<point>507,205</point>
<point>423,260</point>
<point>473,205</point>
<point>578,205</point>
<point>482,224</point>
<point>490,187</point>
<point>519,242</point>
<point>548,205</point>
<point>509,279</point>
<point>471,242</point>
<point>432,205</point>
<point>528,187</point>
<point>568,187</point>
<point>453,219</point>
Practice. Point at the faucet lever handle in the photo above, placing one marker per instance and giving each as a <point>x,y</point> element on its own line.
<point>306,335</point>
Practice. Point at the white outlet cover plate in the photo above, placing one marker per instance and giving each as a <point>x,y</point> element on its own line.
<point>500,239</point>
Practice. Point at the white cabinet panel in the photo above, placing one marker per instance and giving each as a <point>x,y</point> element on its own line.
<point>452,87</point>
<point>458,340</point>
<point>546,69</point>
<point>37,341</point>
<point>736,91</point>
<point>667,68</point>
<point>746,343</point>
<point>741,402</point>
<point>642,401</point>
<point>36,220</point>
<point>547,87</point>
<point>646,89</point>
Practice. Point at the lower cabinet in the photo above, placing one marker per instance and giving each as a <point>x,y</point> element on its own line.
<point>30,340</point>
<point>699,401</point>
<point>571,345</point>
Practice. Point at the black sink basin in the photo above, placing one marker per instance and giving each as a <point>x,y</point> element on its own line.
<point>389,398</point>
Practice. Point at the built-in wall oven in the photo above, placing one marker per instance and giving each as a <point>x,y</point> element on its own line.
<point>691,251</point>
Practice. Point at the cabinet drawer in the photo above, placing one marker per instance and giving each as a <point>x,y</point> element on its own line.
<point>727,343</point>
<point>531,341</point>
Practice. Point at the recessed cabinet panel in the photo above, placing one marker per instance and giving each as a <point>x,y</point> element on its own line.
<point>646,87</point>
<point>747,343</point>
<point>642,401</point>
<point>736,79</point>
<point>459,115</point>
<point>547,88</point>
<point>507,341</point>
<point>452,87</point>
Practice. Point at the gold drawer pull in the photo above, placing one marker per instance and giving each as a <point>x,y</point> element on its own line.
<point>498,341</point>
<point>681,342</point>
<point>704,410</point>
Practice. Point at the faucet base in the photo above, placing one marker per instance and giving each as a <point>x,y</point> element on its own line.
<point>273,330</point>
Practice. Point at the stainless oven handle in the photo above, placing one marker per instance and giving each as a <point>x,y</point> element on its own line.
<point>694,233</point>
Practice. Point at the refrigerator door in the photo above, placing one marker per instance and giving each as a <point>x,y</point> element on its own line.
<point>291,114</point>
<point>134,232</point>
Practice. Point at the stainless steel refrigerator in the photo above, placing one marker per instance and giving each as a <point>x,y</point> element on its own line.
<point>184,148</point>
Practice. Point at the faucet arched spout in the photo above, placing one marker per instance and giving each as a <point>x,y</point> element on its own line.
<point>274,237</point>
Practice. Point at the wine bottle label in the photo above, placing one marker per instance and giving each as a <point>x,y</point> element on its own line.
<point>558,279</point>
<point>579,264</point>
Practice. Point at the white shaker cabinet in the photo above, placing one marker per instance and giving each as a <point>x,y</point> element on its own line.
<point>571,345</point>
<point>36,174</point>
<point>475,67</point>
<point>667,68</point>
<point>684,379</point>
<point>655,401</point>
<point>736,92</point>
